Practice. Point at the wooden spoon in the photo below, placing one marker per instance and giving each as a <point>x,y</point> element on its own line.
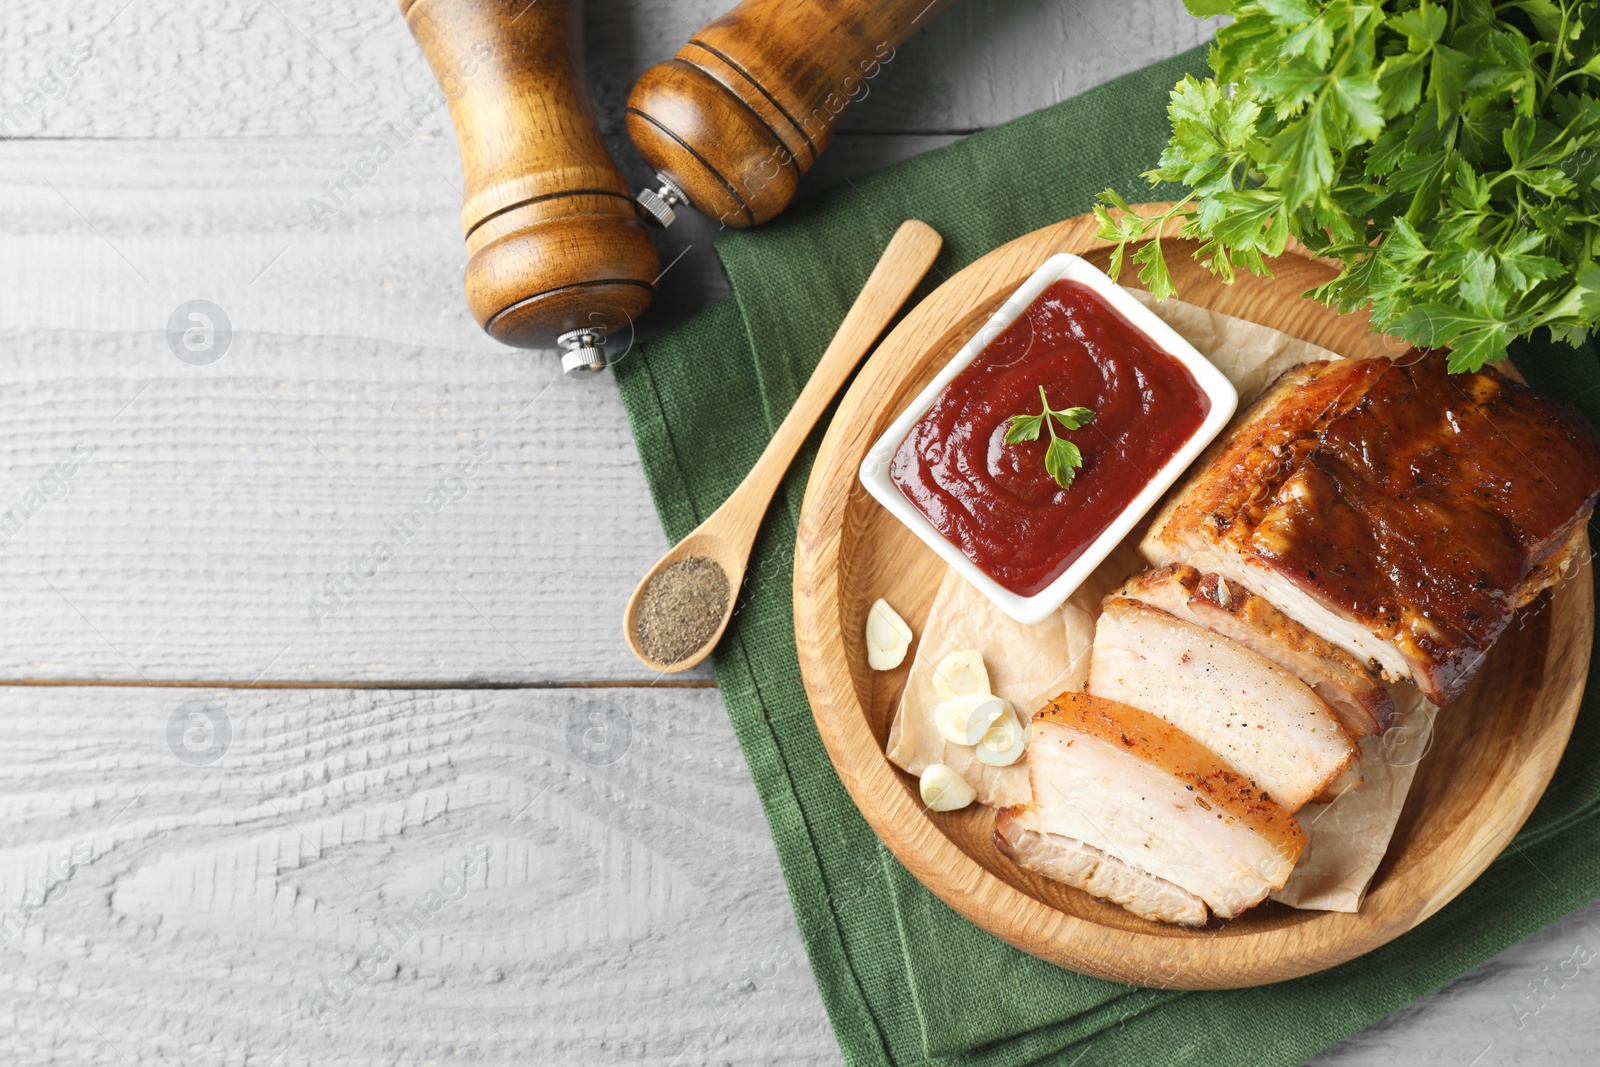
<point>727,536</point>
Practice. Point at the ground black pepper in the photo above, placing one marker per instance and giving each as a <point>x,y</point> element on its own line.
<point>680,609</point>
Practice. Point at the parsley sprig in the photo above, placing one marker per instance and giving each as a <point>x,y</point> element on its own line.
<point>1062,458</point>
<point>1446,154</point>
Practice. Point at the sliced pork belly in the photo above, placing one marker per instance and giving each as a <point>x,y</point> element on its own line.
<point>1097,873</point>
<point>1341,785</point>
<point>1124,782</point>
<point>1400,512</point>
<point>1348,686</point>
<point>1263,721</point>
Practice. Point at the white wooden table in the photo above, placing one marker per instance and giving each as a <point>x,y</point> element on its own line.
<point>239,758</point>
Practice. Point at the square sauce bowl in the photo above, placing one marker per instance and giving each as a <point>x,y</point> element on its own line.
<point>990,509</point>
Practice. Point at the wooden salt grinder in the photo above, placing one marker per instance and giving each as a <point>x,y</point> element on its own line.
<point>746,107</point>
<point>557,253</point>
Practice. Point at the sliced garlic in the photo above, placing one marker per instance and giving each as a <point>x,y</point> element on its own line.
<point>960,673</point>
<point>945,790</point>
<point>1002,744</point>
<point>888,637</point>
<point>963,720</point>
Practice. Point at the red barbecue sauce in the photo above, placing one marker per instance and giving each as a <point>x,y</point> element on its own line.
<point>995,501</point>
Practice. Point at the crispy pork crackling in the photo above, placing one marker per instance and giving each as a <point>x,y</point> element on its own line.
<point>1401,512</point>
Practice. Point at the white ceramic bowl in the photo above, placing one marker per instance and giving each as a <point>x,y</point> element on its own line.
<point>1030,609</point>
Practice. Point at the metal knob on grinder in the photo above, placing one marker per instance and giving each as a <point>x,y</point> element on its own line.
<point>557,254</point>
<point>746,107</point>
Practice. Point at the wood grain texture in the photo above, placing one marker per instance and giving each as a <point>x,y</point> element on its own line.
<point>627,907</point>
<point>217,899</point>
<point>226,496</point>
<point>223,526</point>
<point>1532,1004</point>
<point>358,332</point>
<point>299,67</point>
<point>1492,751</point>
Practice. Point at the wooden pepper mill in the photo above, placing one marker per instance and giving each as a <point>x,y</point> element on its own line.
<point>557,253</point>
<point>746,107</point>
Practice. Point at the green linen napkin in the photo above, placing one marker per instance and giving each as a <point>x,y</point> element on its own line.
<point>905,980</point>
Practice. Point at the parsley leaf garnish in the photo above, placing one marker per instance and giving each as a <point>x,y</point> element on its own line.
<point>1445,155</point>
<point>1062,458</point>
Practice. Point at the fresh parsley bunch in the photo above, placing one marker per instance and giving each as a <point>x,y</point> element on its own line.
<point>1446,154</point>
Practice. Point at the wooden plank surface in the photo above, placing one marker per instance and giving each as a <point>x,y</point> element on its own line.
<point>296,67</point>
<point>354,380</point>
<point>632,912</point>
<point>248,894</point>
<point>283,886</point>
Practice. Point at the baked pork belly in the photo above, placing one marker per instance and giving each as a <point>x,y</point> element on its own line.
<point>1400,512</point>
<point>1341,785</point>
<point>1348,686</point>
<point>1263,721</point>
<point>1097,873</point>
<point>1154,799</point>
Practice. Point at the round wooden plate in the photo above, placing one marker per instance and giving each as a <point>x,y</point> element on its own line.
<point>1492,754</point>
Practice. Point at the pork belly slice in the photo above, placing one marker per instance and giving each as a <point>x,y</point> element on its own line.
<point>1400,512</point>
<point>1263,721</point>
<point>1341,785</point>
<point>1124,782</point>
<point>1348,686</point>
<point>1097,873</point>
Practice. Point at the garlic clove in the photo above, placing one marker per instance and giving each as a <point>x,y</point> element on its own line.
<point>1002,744</point>
<point>963,720</point>
<point>944,790</point>
<point>888,637</point>
<point>960,673</point>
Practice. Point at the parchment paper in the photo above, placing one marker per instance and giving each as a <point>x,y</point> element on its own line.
<point>1029,665</point>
